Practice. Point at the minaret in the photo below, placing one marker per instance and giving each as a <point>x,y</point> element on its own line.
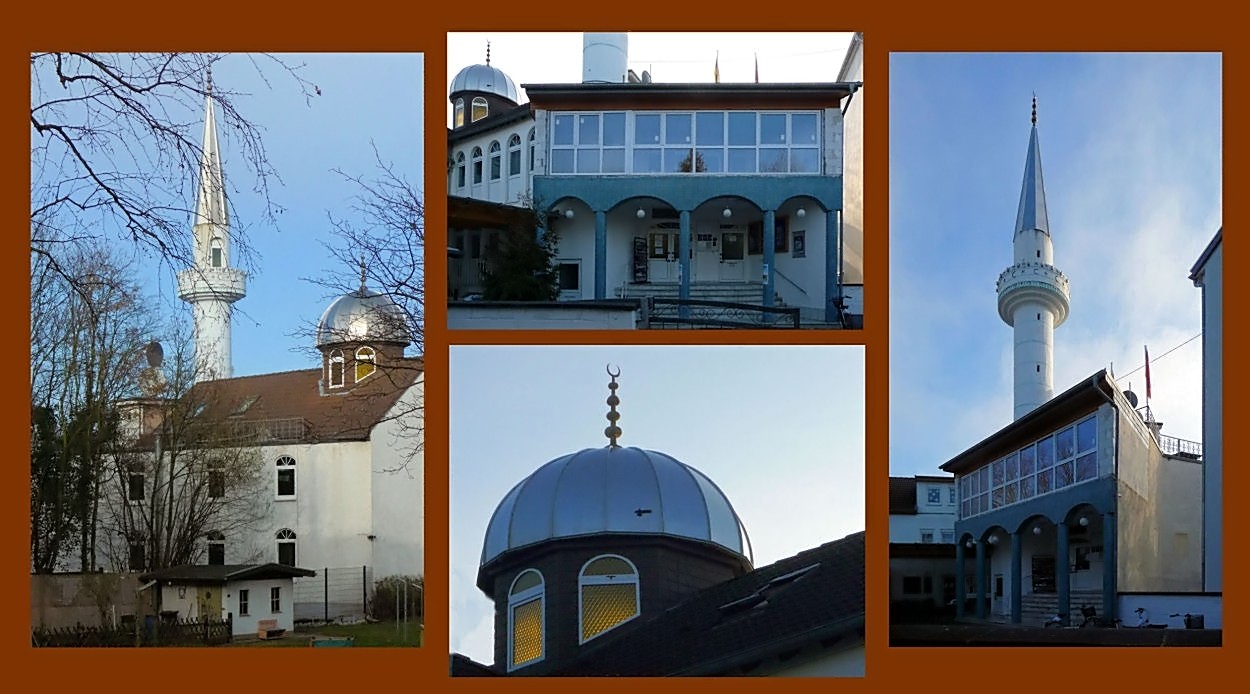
<point>1032,293</point>
<point>211,285</point>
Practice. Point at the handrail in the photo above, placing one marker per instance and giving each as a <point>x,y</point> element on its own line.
<point>796,286</point>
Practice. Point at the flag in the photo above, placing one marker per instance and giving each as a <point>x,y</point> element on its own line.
<point>716,68</point>
<point>1147,373</point>
<point>757,68</point>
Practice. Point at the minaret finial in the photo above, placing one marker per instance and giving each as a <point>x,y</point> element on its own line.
<point>208,81</point>
<point>613,432</point>
<point>1034,108</point>
<point>362,273</point>
<point>488,52</point>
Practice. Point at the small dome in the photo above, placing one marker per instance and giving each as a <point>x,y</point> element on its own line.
<point>614,490</point>
<point>484,78</point>
<point>362,316</point>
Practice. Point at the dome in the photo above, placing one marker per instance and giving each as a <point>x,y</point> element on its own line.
<point>484,78</point>
<point>614,490</point>
<point>362,316</point>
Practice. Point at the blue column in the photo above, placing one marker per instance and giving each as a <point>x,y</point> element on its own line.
<point>770,253</point>
<point>982,570</point>
<point>833,265</point>
<point>683,263</point>
<point>1110,608</point>
<point>601,254</point>
<point>1062,567</point>
<point>961,584</point>
<point>1016,580</point>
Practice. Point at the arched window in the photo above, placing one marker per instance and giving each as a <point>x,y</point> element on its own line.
<point>286,477</point>
<point>336,368</point>
<point>286,546</point>
<point>459,169</point>
<point>459,113</point>
<point>531,142</point>
<point>365,364</point>
<point>526,620</point>
<point>514,155</point>
<point>477,164</point>
<point>216,549</point>
<point>495,161</point>
<point>607,595</point>
<point>216,252</point>
<point>480,108</point>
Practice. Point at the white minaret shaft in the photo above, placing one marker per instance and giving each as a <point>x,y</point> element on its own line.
<point>211,285</point>
<point>1032,293</point>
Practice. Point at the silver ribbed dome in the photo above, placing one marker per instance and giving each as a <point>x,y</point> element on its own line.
<point>362,316</point>
<point>484,78</point>
<point>614,490</point>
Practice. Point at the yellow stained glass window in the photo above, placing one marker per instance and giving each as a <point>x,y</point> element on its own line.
<point>364,363</point>
<point>527,632</point>
<point>609,566</point>
<point>605,606</point>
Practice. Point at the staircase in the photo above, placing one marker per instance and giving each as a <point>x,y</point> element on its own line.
<point>1036,608</point>
<point>733,292</point>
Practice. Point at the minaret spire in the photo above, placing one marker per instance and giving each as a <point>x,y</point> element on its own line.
<point>1033,294</point>
<point>613,432</point>
<point>211,285</point>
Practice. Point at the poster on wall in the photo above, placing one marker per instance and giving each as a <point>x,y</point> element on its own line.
<point>640,259</point>
<point>799,250</point>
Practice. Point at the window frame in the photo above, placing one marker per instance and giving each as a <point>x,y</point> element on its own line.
<point>475,160</point>
<point>483,104</point>
<point>460,171</point>
<point>520,599</point>
<point>280,467</point>
<point>337,369</point>
<point>583,581</point>
<point>365,355</point>
<point>216,542</point>
<point>514,156</point>
<point>244,602</point>
<point>496,160</point>
<point>275,600</point>
<point>287,537</point>
<point>933,495</point>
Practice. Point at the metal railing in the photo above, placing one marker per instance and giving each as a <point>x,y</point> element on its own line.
<point>1181,448</point>
<point>664,312</point>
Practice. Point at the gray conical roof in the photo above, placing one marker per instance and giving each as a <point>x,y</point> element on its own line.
<point>1032,213</point>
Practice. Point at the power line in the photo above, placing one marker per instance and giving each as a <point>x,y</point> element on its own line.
<point>1130,373</point>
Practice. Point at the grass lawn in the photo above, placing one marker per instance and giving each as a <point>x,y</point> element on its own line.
<point>379,634</point>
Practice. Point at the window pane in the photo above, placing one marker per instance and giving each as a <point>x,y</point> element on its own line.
<point>742,160</point>
<point>964,508</point>
<point>997,473</point>
<point>608,566</point>
<point>983,476</point>
<point>216,554</point>
<point>605,606</point>
<point>525,581</point>
<point>527,632</point>
<point>614,129</point>
<point>677,129</point>
<point>646,160</point>
<point>569,275</point>
<point>587,161</point>
<point>1045,453</point>
<point>1009,493</point>
<point>588,130</point>
<point>774,160</point>
<point>1086,468</point>
<point>614,161</point>
<point>1043,481</point>
<point>1026,488</point>
<point>805,161</point>
<point>514,162</point>
<point>709,128</point>
<point>647,129</point>
<point>713,160</point>
<point>803,129</point>
<point>998,497</point>
<point>286,482</point>
<point>1012,467</point>
<point>773,129</point>
<point>1026,461</point>
<point>561,161</point>
<point>495,166</point>
<point>286,553</point>
<point>1086,435</point>
<point>676,159</point>
<point>562,130</point>
<point>1065,444</point>
<point>741,129</point>
<point>1063,475</point>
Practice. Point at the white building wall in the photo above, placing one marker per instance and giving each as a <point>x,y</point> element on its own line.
<point>398,487</point>
<point>259,604</point>
<point>508,189</point>
<point>807,272</point>
<point>489,317</point>
<point>853,171</point>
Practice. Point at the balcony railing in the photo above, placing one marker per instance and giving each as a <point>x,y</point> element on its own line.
<point>1181,448</point>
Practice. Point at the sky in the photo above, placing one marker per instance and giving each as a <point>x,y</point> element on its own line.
<point>366,100</point>
<point>1132,152</point>
<point>670,57</point>
<point>779,429</point>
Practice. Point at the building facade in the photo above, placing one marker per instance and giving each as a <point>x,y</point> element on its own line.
<point>714,191</point>
<point>922,543</point>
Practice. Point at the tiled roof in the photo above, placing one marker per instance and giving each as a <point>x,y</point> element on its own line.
<point>464,666</point>
<point>815,598</point>
<point>220,573</point>
<point>902,496</point>
<point>291,406</point>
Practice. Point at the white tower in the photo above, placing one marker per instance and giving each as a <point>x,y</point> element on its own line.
<point>1032,293</point>
<point>605,58</point>
<point>211,285</point>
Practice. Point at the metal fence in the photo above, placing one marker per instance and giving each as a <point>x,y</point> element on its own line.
<point>335,593</point>
<point>153,632</point>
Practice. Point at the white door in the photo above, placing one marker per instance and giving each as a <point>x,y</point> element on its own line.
<point>706,257</point>
<point>733,255</point>
<point>662,256</point>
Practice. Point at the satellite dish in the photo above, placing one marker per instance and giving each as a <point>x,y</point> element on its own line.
<point>155,354</point>
<point>1131,397</point>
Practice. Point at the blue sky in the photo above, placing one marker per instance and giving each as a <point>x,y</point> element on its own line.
<point>779,429</point>
<point>1132,155</point>
<point>365,98</point>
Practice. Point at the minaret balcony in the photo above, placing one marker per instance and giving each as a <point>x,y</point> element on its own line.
<point>212,283</point>
<point>1032,282</point>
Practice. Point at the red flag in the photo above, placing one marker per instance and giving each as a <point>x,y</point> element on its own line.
<point>1147,372</point>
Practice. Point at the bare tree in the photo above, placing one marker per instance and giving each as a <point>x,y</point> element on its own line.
<point>115,148</point>
<point>186,472</point>
<point>87,333</point>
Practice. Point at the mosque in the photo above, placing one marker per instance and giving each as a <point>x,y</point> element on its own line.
<point>625,561</point>
<point>725,192</point>
<point>339,444</point>
<point>1081,500</point>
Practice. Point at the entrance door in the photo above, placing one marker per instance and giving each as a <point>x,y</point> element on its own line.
<point>208,603</point>
<point>662,265</point>
<point>999,606</point>
<point>733,255</point>
<point>1043,574</point>
<point>706,257</point>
